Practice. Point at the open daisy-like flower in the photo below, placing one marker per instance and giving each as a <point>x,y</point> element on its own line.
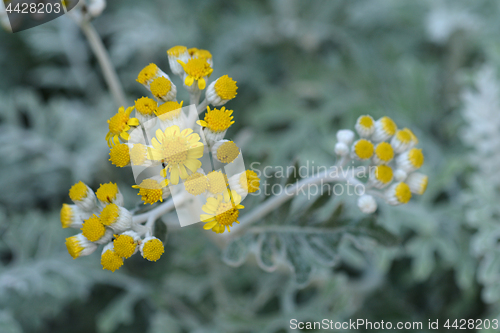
<point>221,212</point>
<point>119,125</point>
<point>178,150</point>
<point>197,69</point>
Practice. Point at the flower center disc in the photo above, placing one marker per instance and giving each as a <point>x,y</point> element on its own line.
<point>227,214</point>
<point>175,151</point>
<point>118,122</point>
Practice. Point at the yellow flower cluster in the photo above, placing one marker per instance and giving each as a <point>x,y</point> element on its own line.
<point>391,154</point>
<point>103,221</point>
<point>164,136</point>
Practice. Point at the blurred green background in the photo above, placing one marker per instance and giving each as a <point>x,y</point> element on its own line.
<point>305,69</point>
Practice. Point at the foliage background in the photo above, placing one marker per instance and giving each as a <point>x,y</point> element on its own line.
<point>304,69</point>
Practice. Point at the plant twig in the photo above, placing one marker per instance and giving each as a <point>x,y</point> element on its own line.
<point>276,201</point>
<point>102,56</point>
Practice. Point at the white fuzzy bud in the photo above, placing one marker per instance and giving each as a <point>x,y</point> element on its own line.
<point>345,136</point>
<point>367,204</point>
<point>341,149</point>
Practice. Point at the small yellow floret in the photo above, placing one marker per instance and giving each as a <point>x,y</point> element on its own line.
<point>250,181</point>
<point>216,182</point>
<point>416,157</point>
<point>73,246</point>
<point>119,155</point>
<point>423,186</point>
<point>66,216</point>
<point>227,213</point>
<point>78,191</point>
<point>228,152</point>
<point>388,125</point>
<point>110,214</point>
<point>111,261</point>
<point>176,50</point>
<point>151,190</point>
<point>384,152</point>
<point>93,229</point>
<point>146,106</point>
<point>124,246</point>
<point>225,87</point>
<point>366,121</point>
<point>107,192</point>
<point>403,193</point>
<point>138,154</point>
<point>196,69</point>
<point>413,136</point>
<point>363,149</point>
<point>153,249</point>
<point>200,53</point>
<point>160,87</point>
<point>404,136</point>
<point>147,73</point>
<point>169,110</point>
<point>217,120</point>
<point>196,183</point>
<point>384,174</point>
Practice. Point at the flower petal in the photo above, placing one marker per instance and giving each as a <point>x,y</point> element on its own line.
<point>174,175</point>
<point>210,225</point>
<point>189,81</point>
<point>192,165</point>
<point>133,122</point>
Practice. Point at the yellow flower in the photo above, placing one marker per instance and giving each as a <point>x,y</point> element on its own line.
<point>138,154</point>
<point>147,73</point>
<point>116,217</point>
<point>169,111</point>
<point>365,126</point>
<point>202,54</point>
<point>410,160</point>
<point>93,229</point>
<point>417,182</point>
<point>119,155</point>
<point>70,216</point>
<point>384,153</point>
<point>216,182</point>
<point>125,244</point>
<point>109,193</point>
<point>192,51</point>
<point>221,212</point>
<point>82,196</point>
<point>250,181</point>
<point>151,248</point>
<point>152,190</point>
<point>225,151</point>
<point>363,149</point>
<point>196,70</point>
<point>221,91</point>
<point>217,120</point>
<point>119,125</point>
<point>196,183</point>
<point>146,106</point>
<point>79,246</point>
<point>109,259</point>
<point>385,128</point>
<point>176,53</point>
<point>179,150</point>
<point>160,87</point>
<point>244,182</point>
<point>381,176</point>
<point>398,194</point>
